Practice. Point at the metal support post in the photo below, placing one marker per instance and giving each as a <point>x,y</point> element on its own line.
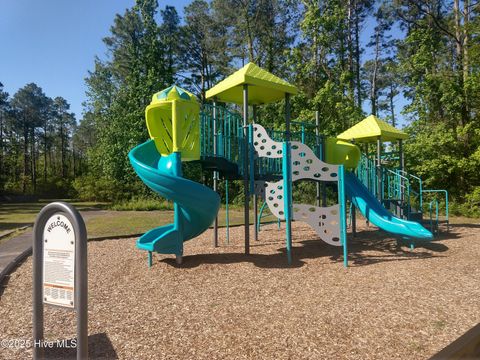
<point>215,173</point>
<point>246,214</point>
<point>287,180</point>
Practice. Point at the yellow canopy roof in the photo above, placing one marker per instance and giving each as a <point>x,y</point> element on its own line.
<point>369,129</point>
<point>263,88</point>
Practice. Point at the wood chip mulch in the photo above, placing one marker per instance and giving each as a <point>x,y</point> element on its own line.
<point>391,303</point>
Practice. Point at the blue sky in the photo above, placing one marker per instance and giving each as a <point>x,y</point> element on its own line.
<point>53,43</point>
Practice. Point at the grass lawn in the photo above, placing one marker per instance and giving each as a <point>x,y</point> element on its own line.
<point>16,215</point>
<point>105,223</point>
<point>117,223</point>
<point>109,223</point>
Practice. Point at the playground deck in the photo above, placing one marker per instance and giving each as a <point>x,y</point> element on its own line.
<point>389,304</point>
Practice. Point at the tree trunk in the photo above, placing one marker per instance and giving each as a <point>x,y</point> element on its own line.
<point>392,107</point>
<point>25,155</point>
<point>357,57</point>
<point>373,93</point>
<point>202,78</point>
<point>251,55</point>
<point>52,162</point>
<point>73,161</point>
<point>459,59</point>
<point>16,166</point>
<point>351,90</point>
<point>466,65</point>
<point>33,159</point>
<point>458,33</point>
<point>45,152</point>
<point>62,150</point>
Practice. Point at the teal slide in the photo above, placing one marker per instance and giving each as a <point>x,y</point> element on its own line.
<point>196,206</point>
<point>374,212</point>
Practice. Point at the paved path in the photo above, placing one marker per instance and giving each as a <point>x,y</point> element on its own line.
<point>13,251</point>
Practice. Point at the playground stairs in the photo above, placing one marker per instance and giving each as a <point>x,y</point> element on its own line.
<point>403,194</point>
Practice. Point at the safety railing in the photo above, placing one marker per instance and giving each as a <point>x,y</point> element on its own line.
<point>416,186</point>
<point>396,187</point>
<point>222,129</point>
<point>367,173</point>
<point>268,166</point>
<point>433,224</point>
<point>439,192</point>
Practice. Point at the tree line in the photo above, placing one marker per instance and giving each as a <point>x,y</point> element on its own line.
<point>349,58</point>
<point>41,147</point>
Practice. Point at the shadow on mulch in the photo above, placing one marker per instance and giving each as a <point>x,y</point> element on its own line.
<point>4,284</point>
<point>269,261</point>
<point>99,347</point>
<point>360,252</point>
<point>470,226</point>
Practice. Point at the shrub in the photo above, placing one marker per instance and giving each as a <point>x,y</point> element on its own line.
<point>141,204</point>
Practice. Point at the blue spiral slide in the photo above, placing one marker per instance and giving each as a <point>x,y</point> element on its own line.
<point>374,212</point>
<point>196,206</point>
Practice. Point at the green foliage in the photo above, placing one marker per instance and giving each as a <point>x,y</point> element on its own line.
<point>470,206</point>
<point>36,153</point>
<point>120,88</point>
<point>92,188</point>
<point>434,61</point>
<point>439,77</point>
<point>142,204</point>
<point>56,187</point>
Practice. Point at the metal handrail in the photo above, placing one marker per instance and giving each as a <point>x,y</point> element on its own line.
<point>420,185</point>
<point>301,123</point>
<point>446,201</point>
<point>436,213</point>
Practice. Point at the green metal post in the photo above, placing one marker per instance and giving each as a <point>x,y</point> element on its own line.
<point>149,259</point>
<point>400,179</point>
<point>246,209</point>
<point>287,199</point>
<point>287,183</point>
<point>259,221</point>
<point>215,173</point>
<point>343,222</point>
<point>226,213</point>
<point>317,142</point>
<point>178,214</point>
<point>354,220</point>
<point>255,200</point>
<point>379,169</point>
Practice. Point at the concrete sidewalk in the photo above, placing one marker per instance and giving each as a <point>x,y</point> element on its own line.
<point>13,251</point>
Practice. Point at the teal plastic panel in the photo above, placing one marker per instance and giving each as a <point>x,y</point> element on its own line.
<point>196,205</point>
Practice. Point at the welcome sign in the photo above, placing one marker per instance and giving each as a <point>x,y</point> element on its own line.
<point>59,262</point>
<point>60,275</point>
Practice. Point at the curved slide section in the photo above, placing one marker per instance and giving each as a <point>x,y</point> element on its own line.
<point>374,212</point>
<point>196,206</point>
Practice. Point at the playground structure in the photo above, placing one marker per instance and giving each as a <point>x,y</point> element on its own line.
<point>269,162</point>
<point>384,174</point>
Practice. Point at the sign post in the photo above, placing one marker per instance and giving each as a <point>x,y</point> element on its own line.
<point>60,270</point>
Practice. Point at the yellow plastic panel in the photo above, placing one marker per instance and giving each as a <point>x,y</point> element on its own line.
<point>263,87</point>
<point>370,129</point>
<point>187,129</point>
<point>341,152</point>
<point>159,125</point>
<point>175,126</point>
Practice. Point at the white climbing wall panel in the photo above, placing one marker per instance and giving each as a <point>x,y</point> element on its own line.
<point>264,145</point>
<point>325,221</point>
<point>305,165</point>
